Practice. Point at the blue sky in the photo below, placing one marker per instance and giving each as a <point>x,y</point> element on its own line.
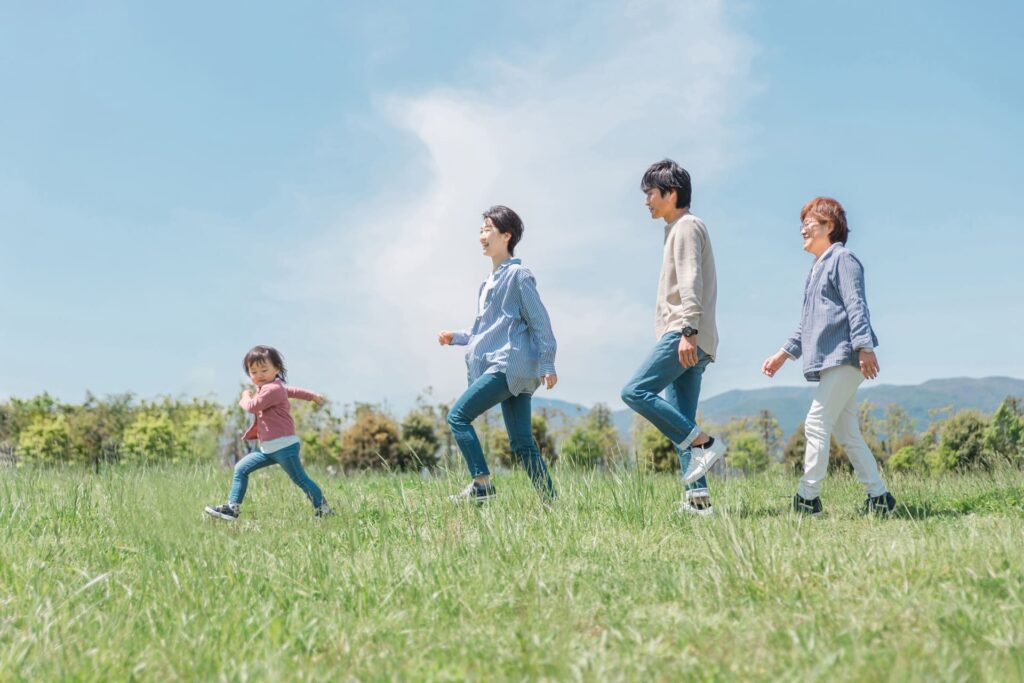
<point>178,183</point>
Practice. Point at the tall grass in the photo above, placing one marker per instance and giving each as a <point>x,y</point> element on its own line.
<point>118,576</point>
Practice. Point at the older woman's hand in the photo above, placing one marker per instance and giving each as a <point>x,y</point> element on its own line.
<point>772,364</point>
<point>868,364</point>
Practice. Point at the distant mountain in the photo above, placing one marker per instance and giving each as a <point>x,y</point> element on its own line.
<point>925,403</point>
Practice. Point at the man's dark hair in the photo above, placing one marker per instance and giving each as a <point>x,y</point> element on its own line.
<point>666,175</point>
<point>505,220</point>
<point>258,355</point>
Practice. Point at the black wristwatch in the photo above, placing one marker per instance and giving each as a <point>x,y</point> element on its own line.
<point>688,331</point>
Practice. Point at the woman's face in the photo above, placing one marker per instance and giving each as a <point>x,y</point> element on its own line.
<point>816,235</point>
<point>493,241</point>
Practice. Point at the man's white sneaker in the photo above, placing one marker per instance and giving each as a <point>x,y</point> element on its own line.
<point>702,458</point>
<point>688,507</point>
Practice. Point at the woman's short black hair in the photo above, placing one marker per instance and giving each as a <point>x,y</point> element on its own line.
<point>666,175</point>
<point>265,354</point>
<point>507,221</point>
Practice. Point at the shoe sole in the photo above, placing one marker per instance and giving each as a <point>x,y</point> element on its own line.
<point>218,515</point>
<point>475,499</point>
<point>695,512</point>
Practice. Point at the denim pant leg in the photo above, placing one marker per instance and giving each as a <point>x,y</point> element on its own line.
<point>516,411</point>
<point>288,459</point>
<point>684,393</point>
<point>642,392</point>
<point>485,393</point>
<point>256,460</point>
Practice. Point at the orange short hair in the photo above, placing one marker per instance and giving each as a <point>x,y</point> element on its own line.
<point>828,210</point>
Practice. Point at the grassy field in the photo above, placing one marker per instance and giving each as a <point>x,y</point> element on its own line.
<point>118,576</point>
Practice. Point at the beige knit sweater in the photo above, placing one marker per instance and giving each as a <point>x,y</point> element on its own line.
<point>687,287</point>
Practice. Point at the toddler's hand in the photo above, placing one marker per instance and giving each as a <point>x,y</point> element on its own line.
<point>319,400</point>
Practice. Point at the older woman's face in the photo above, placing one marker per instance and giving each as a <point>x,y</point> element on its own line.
<point>816,235</point>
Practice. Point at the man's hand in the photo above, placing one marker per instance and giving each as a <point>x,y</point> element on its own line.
<point>688,351</point>
<point>772,364</point>
<point>445,338</point>
<point>868,364</point>
<point>549,381</point>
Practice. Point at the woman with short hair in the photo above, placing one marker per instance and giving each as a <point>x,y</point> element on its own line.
<point>837,343</point>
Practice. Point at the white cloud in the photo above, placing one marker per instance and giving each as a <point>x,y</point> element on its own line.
<point>563,138</point>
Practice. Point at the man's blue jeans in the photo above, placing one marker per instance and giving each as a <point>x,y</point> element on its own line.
<point>674,415</point>
<point>486,392</point>
<point>288,459</point>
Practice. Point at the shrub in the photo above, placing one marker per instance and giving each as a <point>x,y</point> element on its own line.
<point>595,443</point>
<point>372,443</point>
<point>46,440</point>
<point>961,444</point>
<point>150,438</point>
<point>910,458</point>
<point>1004,437</point>
<point>419,438</point>
<point>747,453</point>
<point>656,452</point>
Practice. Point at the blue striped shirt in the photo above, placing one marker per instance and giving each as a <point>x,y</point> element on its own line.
<point>512,331</point>
<point>835,323</point>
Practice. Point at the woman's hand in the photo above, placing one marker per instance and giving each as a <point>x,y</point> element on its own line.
<point>549,381</point>
<point>868,364</point>
<point>772,364</point>
<point>445,338</point>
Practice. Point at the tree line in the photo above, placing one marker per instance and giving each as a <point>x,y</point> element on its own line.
<point>121,429</point>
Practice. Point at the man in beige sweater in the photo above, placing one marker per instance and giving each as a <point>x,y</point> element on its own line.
<point>686,332</point>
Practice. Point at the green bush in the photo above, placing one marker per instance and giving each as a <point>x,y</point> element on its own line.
<point>910,458</point>
<point>961,444</point>
<point>747,453</point>
<point>1004,437</point>
<point>655,452</point>
<point>46,440</point>
<point>595,443</point>
<point>419,438</point>
<point>372,443</point>
<point>150,438</point>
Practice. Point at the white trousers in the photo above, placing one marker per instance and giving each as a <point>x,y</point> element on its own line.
<point>834,412</point>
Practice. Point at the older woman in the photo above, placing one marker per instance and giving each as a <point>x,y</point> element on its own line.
<point>838,347</point>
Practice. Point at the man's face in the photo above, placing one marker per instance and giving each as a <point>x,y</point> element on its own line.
<point>660,205</point>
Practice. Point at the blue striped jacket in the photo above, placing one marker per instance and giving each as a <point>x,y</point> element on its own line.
<point>835,323</point>
<point>512,331</point>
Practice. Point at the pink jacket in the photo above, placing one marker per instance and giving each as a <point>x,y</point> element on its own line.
<point>272,412</point>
